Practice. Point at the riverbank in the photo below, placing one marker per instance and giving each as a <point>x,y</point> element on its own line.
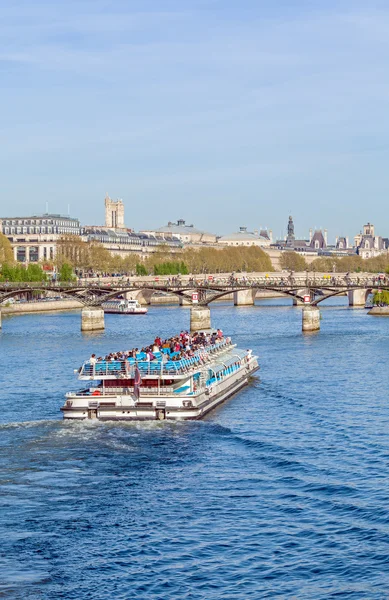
<point>36,307</point>
<point>379,311</point>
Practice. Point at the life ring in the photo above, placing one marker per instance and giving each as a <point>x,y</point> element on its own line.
<point>96,393</point>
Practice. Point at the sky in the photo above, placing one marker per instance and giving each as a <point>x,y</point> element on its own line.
<point>220,112</point>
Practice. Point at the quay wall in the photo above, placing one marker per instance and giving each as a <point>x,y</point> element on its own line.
<point>32,307</point>
<point>379,311</point>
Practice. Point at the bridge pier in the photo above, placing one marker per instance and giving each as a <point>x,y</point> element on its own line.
<point>297,302</point>
<point>143,296</point>
<point>92,319</point>
<point>183,301</point>
<point>244,297</point>
<point>311,318</point>
<point>356,297</point>
<point>200,318</point>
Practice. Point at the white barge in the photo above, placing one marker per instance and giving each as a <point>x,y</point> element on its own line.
<point>139,390</point>
<point>124,307</point>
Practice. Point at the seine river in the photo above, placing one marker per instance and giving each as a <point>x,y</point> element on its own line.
<point>282,492</point>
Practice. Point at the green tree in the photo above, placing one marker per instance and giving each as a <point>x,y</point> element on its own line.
<point>293,261</point>
<point>6,252</point>
<point>18,272</point>
<point>381,296</point>
<point>140,269</point>
<point>66,273</point>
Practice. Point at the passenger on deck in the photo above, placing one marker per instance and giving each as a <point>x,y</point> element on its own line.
<point>182,346</point>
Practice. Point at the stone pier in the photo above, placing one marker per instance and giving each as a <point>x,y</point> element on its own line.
<point>244,297</point>
<point>143,296</point>
<point>356,297</point>
<point>200,318</point>
<point>184,301</point>
<point>297,302</point>
<point>311,318</point>
<point>92,319</point>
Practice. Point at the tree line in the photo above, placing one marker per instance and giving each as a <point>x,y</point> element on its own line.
<point>353,264</point>
<point>74,257</point>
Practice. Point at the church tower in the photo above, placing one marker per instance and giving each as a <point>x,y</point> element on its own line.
<point>114,213</point>
<point>290,237</point>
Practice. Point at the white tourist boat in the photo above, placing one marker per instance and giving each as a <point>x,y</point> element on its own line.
<point>124,307</point>
<point>139,390</point>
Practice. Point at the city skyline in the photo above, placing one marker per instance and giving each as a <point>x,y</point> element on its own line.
<point>330,237</point>
<point>224,116</point>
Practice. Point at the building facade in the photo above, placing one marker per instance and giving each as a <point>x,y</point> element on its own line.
<point>122,242</point>
<point>34,239</point>
<point>368,244</point>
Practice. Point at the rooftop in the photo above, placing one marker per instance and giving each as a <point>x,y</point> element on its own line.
<point>181,228</point>
<point>242,235</point>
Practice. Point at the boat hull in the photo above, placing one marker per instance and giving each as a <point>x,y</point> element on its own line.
<point>108,311</point>
<point>149,410</point>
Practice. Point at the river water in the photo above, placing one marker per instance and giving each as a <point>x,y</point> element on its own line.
<point>282,492</point>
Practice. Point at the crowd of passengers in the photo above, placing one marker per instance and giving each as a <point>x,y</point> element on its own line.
<point>184,345</point>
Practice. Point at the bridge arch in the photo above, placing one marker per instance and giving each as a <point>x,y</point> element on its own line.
<point>333,293</point>
<point>291,292</point>
<point>180,292</point>
<point>19,292</point>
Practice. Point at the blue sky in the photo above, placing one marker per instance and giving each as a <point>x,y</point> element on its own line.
<point>222,112</point>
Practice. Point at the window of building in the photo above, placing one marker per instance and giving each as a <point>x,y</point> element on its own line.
<point>21,254</point>
<point>33,254</point>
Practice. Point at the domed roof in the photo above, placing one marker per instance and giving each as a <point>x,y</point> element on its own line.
<point>242,236</point>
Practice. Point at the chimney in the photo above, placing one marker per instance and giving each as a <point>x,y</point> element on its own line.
<point>326,236</point>
<point>310,235</point>
<point>271,235</point>
<point>347,243</point>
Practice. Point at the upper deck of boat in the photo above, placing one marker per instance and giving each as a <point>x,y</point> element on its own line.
<point>161,366</point>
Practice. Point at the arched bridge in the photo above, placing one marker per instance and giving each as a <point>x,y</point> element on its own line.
<point>309,291</point>
<point>95,294</point>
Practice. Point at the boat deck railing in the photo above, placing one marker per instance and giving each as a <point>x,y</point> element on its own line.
<point>127,391</point>
<point>125,369</point>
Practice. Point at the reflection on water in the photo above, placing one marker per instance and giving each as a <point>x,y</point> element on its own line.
<point>282,492</point>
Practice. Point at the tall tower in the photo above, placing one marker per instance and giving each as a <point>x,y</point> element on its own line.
<point>114,213</point>
<point>290,237</point>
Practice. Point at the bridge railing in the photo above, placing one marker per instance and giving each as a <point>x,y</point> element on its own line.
<point>243,282</point>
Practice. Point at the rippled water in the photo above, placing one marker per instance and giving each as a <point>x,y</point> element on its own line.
<point>282,492</point>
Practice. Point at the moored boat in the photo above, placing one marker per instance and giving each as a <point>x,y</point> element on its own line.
<point>169,386</point>
<point>124,307</point>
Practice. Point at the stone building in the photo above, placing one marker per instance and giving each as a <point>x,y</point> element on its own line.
<point>35,238</point>
<point>187,234</point>
<point>318,239</point>
<point>123,242</point>
<point>368,244</point>
<point>114,213</point>
<point>246,238</point>
<point>342,243</point>
<point>290,243</point>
